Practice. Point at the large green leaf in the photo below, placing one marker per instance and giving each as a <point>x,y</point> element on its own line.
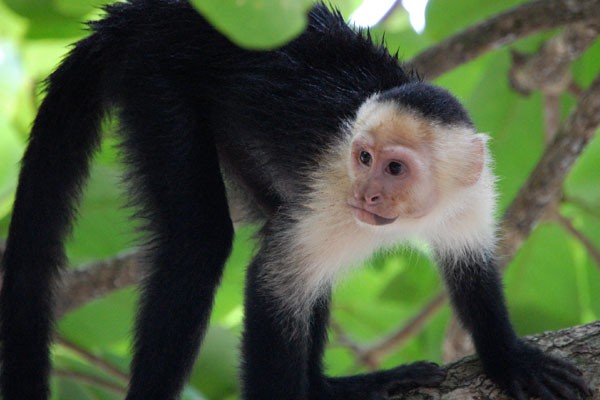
<point>256,23</point>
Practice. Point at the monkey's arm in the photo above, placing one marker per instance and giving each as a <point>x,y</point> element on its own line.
<point>518,368</point>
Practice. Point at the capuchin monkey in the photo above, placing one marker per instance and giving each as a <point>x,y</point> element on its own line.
<point>327,142</point>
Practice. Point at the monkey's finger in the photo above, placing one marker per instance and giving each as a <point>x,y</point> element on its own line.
<point>564,365</point>
<point>538,388</point>
<point>560,387</point>
<point>517,392</point>
<point>575,380</point>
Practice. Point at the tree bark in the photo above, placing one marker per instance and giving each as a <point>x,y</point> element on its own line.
<point>466,380</point>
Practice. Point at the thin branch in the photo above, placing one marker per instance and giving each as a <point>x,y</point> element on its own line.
<point>91,380</point>
<point>582,205</point>
<point>549,69</point>
<point>375,353</point>
<point>94,360</point>
<point>590,247</point>
<point>497,31</point>
<point>343,340</point>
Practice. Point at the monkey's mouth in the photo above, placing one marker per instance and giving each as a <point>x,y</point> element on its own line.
<point>369,217</point>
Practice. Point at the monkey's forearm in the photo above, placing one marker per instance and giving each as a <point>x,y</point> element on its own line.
<point>476,294</point>
<point>517,367</point>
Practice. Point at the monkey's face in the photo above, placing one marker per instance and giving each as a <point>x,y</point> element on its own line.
<point>389,181</point>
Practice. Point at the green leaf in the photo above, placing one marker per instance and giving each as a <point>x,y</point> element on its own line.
<point>258,24</point>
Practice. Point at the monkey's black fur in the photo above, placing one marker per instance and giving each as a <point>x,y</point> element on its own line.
<point>432,102</point>
<point>191,103</point>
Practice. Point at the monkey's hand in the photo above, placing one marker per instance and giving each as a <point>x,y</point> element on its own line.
<point>526,371</point>
<point>381,385</point>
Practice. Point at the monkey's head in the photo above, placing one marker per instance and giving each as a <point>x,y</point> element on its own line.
<point>413,148</point>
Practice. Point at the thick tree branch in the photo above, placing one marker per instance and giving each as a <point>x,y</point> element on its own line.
<point>466,380</point>
<point>502,29</point>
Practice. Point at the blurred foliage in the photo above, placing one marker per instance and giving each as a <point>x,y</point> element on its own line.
<point>257,23</point>
<point>552,283</point>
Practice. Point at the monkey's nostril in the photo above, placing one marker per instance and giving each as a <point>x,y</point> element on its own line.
<point>373,199</point>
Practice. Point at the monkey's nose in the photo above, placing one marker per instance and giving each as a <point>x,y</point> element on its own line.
<point>373,200</point>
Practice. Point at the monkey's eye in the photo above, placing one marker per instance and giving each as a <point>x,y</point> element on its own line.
<point>365,158</point>
<point>395,168</point>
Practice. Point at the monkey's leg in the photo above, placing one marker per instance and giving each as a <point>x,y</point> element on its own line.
<point>372,386</point>
<point>275,341</point>
<point>183,197</point>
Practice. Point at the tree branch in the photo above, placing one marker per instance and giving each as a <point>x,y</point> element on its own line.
<point>466,380</point>
<point>567,224</point>
<point>94,360</point>
<point>497,31</point>
<point>82,285</point>
<point>546,180</point>
<point>116,388</point>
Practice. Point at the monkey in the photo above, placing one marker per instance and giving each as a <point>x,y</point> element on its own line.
<point>328,143</point>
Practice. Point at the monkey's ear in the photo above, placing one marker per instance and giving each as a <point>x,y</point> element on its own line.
<point>474,160</point>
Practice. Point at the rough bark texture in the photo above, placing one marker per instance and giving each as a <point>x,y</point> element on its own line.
<point>465,379</point>
<point>82,285</point>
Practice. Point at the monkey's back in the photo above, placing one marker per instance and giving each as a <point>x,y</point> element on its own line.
<point>267,102</point>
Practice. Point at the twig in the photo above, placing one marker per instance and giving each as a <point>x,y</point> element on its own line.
<point>344,340</point>
<point>94,360</point>
<point>582,205</point>
<point>549,69</point>
<point>577,234</point>
<point>91,380</point>
<point>374,354</point>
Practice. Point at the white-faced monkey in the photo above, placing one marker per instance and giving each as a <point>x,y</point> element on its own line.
<point>327,142</point>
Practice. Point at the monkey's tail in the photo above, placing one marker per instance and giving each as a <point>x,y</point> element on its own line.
<point>65,134</point>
